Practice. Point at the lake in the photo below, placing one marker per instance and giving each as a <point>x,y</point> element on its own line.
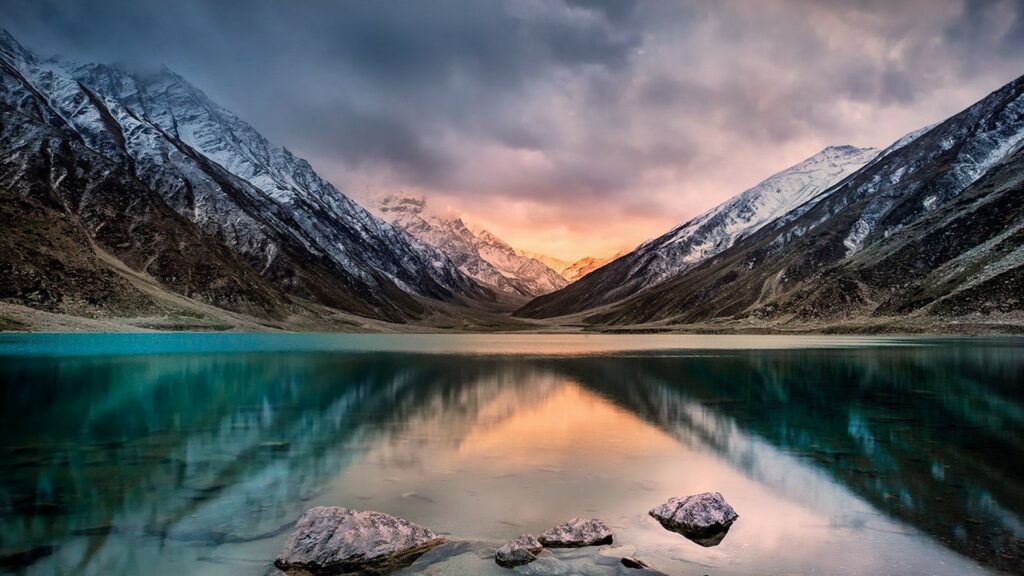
<point>171,454</point>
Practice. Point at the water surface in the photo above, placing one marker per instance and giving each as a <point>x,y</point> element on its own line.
<point>194,454</point>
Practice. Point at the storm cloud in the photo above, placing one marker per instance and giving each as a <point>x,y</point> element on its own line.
<point>569,127</point>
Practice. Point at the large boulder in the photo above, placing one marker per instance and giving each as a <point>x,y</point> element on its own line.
<point>331,539</point>
<point>576,533</point>
<point>703,518</point>
<point>519,551</point>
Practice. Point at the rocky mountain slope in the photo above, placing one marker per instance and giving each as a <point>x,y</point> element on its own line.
<point>479,254</point>
<point>704,236</point>
<point>930,228</point>
<point>184,180</point>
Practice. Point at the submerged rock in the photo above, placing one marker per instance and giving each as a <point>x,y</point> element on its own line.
<point>335,539</point>
<point>519,551</point>
<point>703,518</point>
<point>577,533</point>
<point>545,566</point>
<point>452,559</point>
<point>631,562</point>
<point>617,551</point>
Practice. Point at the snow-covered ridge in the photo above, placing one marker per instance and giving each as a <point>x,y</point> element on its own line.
<point>719,228</point>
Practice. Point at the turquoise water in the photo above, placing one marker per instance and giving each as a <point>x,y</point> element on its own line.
<point>193,454</point>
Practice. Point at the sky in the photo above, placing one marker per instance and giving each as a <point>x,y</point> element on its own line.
<point>566,127</point>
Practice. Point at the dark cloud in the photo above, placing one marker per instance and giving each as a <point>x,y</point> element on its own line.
<point>653,110</point>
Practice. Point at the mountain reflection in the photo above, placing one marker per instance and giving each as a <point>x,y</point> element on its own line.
<point>229,448</point>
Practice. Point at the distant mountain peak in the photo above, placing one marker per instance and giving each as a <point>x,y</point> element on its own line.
<point>479,253</point>
<point>401,203</point>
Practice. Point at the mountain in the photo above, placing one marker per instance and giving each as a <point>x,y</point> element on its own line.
<point>556,264</point>
<point>571,271</point>
<point>145,170</point>
<point>588,264</point>
<point>706,235</point>
<point>929,232</point>
<point>479,254</point>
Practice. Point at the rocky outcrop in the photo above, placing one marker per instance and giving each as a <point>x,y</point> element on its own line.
<point>331,539</point>
<point>703,518</point>
<point>519,551</point>
<point>577,533</point>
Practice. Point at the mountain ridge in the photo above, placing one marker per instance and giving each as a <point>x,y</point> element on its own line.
<point>701,237</point>
<point>814,267</point>
<point>211,168</point>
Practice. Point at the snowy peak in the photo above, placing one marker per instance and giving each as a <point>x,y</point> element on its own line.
<point>402,204</point>
<point>480,254</point>
<point>780,194</point>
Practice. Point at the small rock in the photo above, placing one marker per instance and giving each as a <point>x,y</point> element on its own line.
<point>331,538</point>
<point>703,518</point>
<point>631,562</point>
<point>577,533</point>
<point>518,552</point>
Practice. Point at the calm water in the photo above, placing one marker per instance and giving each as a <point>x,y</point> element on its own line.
<point>193,454</point>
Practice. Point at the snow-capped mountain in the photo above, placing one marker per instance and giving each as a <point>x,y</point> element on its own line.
<point>932,228</point>
<point>708,234</point>
<point>478,253</point>
<point>217,172</point>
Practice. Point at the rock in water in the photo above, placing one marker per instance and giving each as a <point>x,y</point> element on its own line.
<point>545,566</point>
<point>522,550</point>
<point>335,539</point>
<point>704,518</point>
<point>631,562</point>
<point>577,533</point>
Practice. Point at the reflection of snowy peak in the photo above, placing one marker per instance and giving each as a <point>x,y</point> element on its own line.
<point>481,255</point>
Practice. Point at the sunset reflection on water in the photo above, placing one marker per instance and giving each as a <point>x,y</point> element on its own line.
<point>853,460</point>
